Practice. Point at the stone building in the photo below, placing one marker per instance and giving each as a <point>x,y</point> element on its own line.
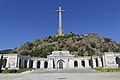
<point>60,60</point>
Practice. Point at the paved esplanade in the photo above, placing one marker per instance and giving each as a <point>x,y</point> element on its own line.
<point>92,75</point>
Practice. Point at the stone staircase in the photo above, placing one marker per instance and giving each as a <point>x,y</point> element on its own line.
<point>82,70</point>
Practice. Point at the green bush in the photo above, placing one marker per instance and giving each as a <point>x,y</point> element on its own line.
<point>14,71</point>
<point>9,71</point>
<point>107,39</point>
<point>108,69</point>
<point>0,71</point>
<point>93,45</point>
<point>21,70</point>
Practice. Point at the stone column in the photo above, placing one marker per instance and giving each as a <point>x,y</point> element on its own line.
<point>42,64</point>
<point>94,63</point>
<point>49,64</point>
<point>7,64</point>
<point>99,62</point>
<point>103,58</point>
<point>22,63</point>
<point>71,63</point>
<point>87,63</point>
<point>56,64</point>
<point>28,62</point>
<point>79,64</point>
<point>66,63</point>
<point>34,64</point>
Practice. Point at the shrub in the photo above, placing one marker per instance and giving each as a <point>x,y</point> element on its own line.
<point>93,45</point>
<point>108,69</point>
<point>14,71</point>
<point>21,70</point>
<point>9,71</point>
<point>107,39</point>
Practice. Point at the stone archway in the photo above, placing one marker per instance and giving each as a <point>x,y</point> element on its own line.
<point>19,63</point>
<point>96,60</point>
<point>90,63</point>
<point>102,61</point>
<point>38,64</point>
<point>45,64</point>
<point>53,64</point>
<point>117,61</point>
<point>60,64</point>
<point>75,64</point>
<point>4,62</point>
<point>25,63</point>
<point>31,64</point>
<point>83,63</point>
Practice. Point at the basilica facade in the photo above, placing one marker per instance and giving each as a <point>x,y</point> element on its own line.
<point>61,60</point>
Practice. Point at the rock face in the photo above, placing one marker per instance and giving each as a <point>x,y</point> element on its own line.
<point>79,45</point>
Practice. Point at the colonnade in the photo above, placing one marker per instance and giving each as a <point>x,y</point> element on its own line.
<point>86,63</point>
<point>66,63</point>
<point>60,63</point>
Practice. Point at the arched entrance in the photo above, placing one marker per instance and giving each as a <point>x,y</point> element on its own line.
<point>45,64</point>
<point>4,63</point>
<point>75,64</point>
<point>53,64</point>
<point>83,63</point>
<point>90,63</point>
<point>96,62</point>
<point>31,64</point>
<point>102,61</point>
<point>60,64</point>
<point>38,64</point>
<point>118,61</point>
<point>19,63</point>
<point>25,63</point>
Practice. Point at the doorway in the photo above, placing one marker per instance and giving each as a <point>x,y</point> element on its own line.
<point>60,64</point>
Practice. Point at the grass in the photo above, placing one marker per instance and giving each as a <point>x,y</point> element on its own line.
<point>13,71</point>
<point>108,69</point>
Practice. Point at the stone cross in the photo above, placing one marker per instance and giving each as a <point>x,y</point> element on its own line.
<point>60,31</point>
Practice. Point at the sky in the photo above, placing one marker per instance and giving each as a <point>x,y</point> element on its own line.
<point>26,20</point>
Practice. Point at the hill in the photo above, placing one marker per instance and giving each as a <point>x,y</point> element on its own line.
<point>6,51</point>
<point>79,45</point>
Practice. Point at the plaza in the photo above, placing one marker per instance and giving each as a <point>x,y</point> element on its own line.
<point>62,76</point>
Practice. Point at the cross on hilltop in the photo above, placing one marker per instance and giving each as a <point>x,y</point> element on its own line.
<point>60,30</point>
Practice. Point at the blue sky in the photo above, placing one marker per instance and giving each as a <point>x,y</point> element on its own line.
<point>25,20</point>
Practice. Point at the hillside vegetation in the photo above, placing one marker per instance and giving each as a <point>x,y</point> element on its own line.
<point>79,45</point>
<point>6,51</point>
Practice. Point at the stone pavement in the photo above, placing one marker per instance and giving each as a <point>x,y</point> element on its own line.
<point>82,70</point>
<point>62,76</point>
